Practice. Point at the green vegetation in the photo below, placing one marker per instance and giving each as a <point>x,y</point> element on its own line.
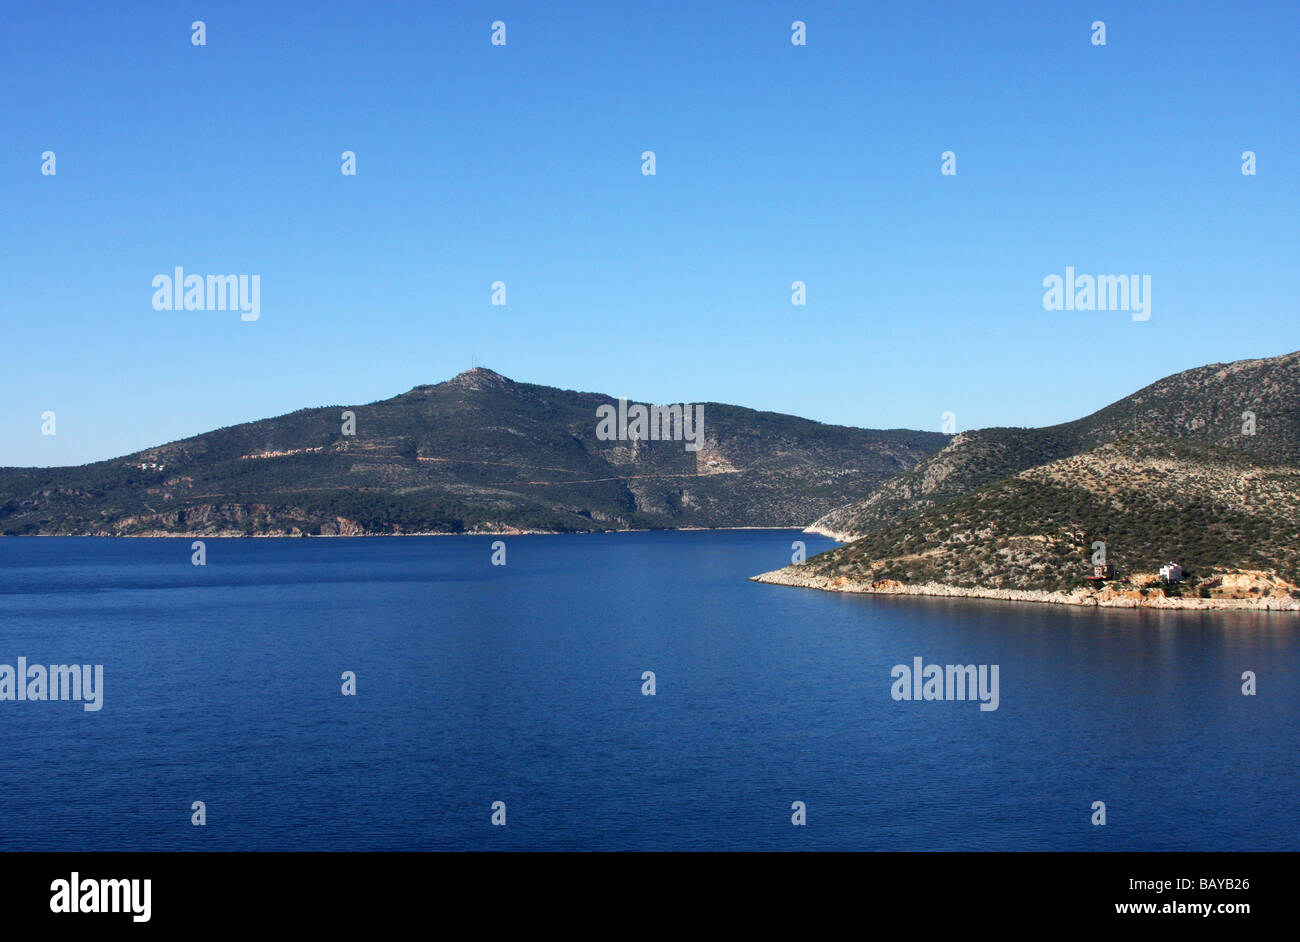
<point>479,452</point>
<point>1204,405</point>
<point>1150,500</point>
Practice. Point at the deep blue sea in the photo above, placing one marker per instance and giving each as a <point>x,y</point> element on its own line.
<point>522,684</point>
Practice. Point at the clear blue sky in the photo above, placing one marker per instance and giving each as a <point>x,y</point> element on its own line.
<point>775,163</point>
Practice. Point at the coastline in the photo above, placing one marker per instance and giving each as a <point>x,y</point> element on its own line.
<point>1107,597</point>
<point>240,534</point>
<point>829,534</point>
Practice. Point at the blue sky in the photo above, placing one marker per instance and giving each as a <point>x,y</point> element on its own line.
<point>522,164</point>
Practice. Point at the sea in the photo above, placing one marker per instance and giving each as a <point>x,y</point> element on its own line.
<point>620,691</point>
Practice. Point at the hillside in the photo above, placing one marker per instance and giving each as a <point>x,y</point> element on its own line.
<point>1202,405</point>
<point>480,453</point>
<point>1231,520</point>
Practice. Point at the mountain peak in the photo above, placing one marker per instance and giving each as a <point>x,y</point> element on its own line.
<point>480,377</point>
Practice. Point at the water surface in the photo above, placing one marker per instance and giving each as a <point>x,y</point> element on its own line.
<point>522,683</point>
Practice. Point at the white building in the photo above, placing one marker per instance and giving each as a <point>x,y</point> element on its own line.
<point>1171,572</point>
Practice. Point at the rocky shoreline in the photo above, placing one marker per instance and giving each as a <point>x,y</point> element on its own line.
<point>830,534</point>
<point>1107,597</point>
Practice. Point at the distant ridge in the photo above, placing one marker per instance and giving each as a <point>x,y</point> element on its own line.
<point>476,453</point>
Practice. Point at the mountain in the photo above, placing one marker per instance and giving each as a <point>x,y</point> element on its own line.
<point>479,452</point>
<point>1231,520</point>
<point>1205,404</point>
